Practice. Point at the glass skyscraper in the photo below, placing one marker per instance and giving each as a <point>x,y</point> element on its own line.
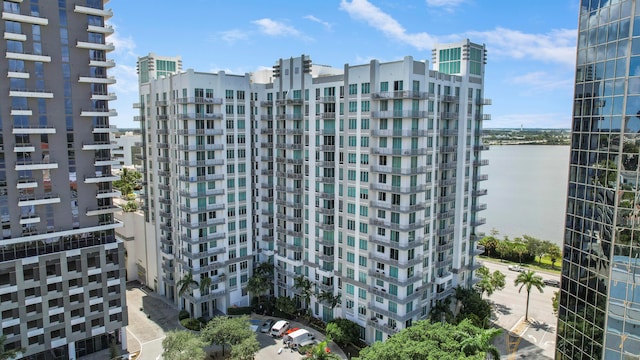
<point>599,316</point>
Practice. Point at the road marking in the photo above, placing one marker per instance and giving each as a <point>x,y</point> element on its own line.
<point>546,343</point>
<point>154,340</point>
<point>533,338</point>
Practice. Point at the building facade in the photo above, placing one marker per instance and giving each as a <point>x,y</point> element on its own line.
<point>62,288</point>
<point>364,180</point>
<point>599,315</point>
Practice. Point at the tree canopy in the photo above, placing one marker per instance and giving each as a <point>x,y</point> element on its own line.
<point>434,341</point>
<point>183,345</point>
<point>343,331</point>
<point>227,331</point>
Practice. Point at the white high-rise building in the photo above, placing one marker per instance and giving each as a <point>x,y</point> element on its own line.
<point>365,180</point>
<point>62,287</point>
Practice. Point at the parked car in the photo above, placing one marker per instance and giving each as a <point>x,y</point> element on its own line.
<point>266,325</point>
<point>517,268</point>
<point>551,282</point>
<point>279,328</point>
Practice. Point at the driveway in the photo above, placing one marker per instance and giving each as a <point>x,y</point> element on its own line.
<point>536,339</point>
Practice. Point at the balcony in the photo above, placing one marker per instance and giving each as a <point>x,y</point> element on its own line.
<point>24,148</point>
<point>448,115</point>
<point>483,117</point>
<point>107,29</point>
<point>478,222</point>
<point>401,263</point>
<point>27,19</point>
<point>398,114</point>
<point>404,245</point>
<point>326,99</point>
<point>478,250</point>
<point>29,219</point>
<point>209,237</point>
<point>199,224</point>
<point>209,162</point>
<point>41,199</point>
<point>402,94</point>
<point>95,46</point>
<point>100,145</point>
<point>107,194</point>
<point>448,98</point>
<point>15,36</point>
<point>33,129</point>
<point>398,208</point>
<point>199,116</point>
<point>391,151</point>
<point>197,100</point>
<point>480,163</point>
<point>196,194</point>
<point>26,183</point>
<point>483,101</point>
<point>394,280</point>
<point>401,132</point>
<point>95,179</point>
<point>399,171</point>
<point>101,210</point>
<point>104,96</point>
<point>31,93</point>
<point>448,149</point>
<point>200,131</point>
<point>97,80</point>
<point>480,192</point>
<point>35,165</point>
<point>106,13</point>
<point>400,189</point>
<point>21,112</point>
<point>399,227</point>
<point>199,209</point>
<point>98,112</point>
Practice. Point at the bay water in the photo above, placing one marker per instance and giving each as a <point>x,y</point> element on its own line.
<point>526,191</point>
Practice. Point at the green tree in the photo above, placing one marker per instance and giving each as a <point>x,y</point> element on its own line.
<point>286,304</point>
<point>529,280</point>
<point>183,345</point>
<point>205,285</point>
<point>128,182</point>
<point>554,254</point>
<point>536,247</point>
<point>472,307</point>
<point>319,352</point>
<point>343,331</point>
<point>8,354</point>
<point>490,244</point>
<point>257,285</point>
<point>303,285</point>
<point>489,282</point>
<point>328,298</point>
<point>519,247</point>
<point>481,342</point>
<point>227,331</point>
<point>245,349</point>
<point>130,206</point>
<point>186,283</point>
<point>426,340</point>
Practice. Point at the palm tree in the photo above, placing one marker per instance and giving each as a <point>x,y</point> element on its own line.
<point>320,352</point>
<point>205,285</point>
<point>481,342</point>
<point>186,283</point>
<point>528,280</point>
<point>326,296</point>
<point>257,285</point>
<point>6,354</point>
<point>303,285</point>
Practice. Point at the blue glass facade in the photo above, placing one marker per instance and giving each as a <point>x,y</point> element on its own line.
<point>599,315</point>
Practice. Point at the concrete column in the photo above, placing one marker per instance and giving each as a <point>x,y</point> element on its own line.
<point>122,334</point>
<point>72,350</point>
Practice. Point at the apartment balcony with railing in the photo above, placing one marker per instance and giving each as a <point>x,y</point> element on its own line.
<point>400,245</point>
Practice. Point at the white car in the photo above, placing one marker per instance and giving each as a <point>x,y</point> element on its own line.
<point>517,268</point>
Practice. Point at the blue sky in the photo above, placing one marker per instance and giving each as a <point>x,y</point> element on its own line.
<point>531,46</point>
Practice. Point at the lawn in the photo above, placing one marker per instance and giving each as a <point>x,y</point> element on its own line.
<point>545,264</point>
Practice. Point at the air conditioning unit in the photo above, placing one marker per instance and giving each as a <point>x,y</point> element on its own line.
<point>383,290</point>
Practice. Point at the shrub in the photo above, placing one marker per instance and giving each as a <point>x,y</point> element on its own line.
<point>244,310</point>
<point>191,324</point>
<point>183,314</point>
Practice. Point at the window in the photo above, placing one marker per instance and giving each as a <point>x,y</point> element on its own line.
<point>365,88</point>
<point>364,124</point>
<point>363,244</point>
<point>384,86</point>
<point>353,89</point>
<point>228,94</point>
<point>364,141</point>
<point>362,293</point>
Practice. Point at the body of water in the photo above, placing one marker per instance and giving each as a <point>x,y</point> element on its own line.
<point>527,191</point>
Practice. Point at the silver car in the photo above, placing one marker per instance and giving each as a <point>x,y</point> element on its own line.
<point>266,325</point>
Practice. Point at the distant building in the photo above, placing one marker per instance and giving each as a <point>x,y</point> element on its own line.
<point>128,148</point>
<point>365,180</point>
<point>62,287</point>
<point>599,315</point>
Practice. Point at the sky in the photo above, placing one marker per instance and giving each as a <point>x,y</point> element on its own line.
<point>530,46</point>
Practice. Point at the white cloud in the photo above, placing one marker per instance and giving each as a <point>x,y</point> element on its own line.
<point>365,11</point>
<point>556,46</point>
<point>231,36</point>
<point>541,81</point>
<point>446,5</point>
<point>125,46</point>
<point>321,22</point>
<point>544,120</point>
<point>275,28</point>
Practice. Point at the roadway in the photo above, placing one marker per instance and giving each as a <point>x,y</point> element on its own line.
<point>537,340</point>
